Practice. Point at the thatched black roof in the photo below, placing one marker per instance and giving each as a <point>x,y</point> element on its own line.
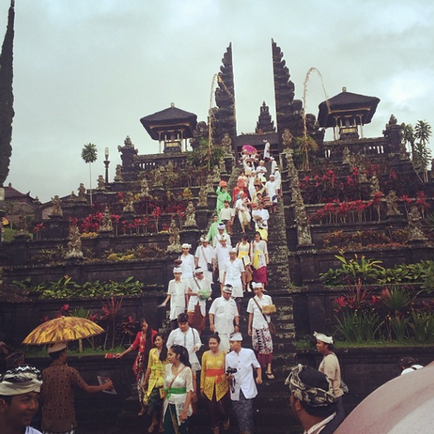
<point>347,103</point>
<point>171,116</point>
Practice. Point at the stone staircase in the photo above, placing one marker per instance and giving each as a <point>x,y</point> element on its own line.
<point>272,412</point>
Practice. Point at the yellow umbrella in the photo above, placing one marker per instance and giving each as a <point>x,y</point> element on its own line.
<point>64,328</point>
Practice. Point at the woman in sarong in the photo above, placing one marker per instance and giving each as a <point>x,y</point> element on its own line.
<point>178,388</point>
<point>214,385</point>
<point>154,378</point>
<point>259,258</point>
<point>258,329</point>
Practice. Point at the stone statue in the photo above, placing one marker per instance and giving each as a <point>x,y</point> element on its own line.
<point>209,184</point>
<point>203,201</point>
<point>72,196</point>
<point>118,173</point>
<point>216,176</point>
<point>222,165</point>
<point>106,221</point>
<point>362,173</point>
<point>74,249</point>
<point>303,229</point>
<point>129,204</point>
<point>392,204</point>
<point>23,223</point>
<point>157,172</point>
<point>287,138</point>
<point>375,186</point>
<point>82,193</point>
<point>144,187</point>
<point>57,208</point>
<point>170,166</point>
<point>346,156</point>
<point>101,183</point>
<point>227,143</point>
<point>190,215</point>
<point>174,238</point>
<point>414,225</point>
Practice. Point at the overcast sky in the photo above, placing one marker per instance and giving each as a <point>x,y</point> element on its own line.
<point>88,70</point>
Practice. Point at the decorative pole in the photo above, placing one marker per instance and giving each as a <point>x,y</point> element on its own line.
<point>106,164</point>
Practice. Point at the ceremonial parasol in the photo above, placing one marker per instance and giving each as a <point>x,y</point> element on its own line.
<point>64,328</point>
<point>402,405</point>
<point>249,149</point>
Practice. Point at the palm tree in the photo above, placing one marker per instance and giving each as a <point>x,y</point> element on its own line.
<point>89,155</point>
<point>422,133</point>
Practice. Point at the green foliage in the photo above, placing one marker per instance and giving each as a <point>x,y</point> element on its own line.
<point>363,269</point>
<point>371,272</point>
<point>397,299</point>
<point>89,153</point>
<point>66,288</point>
<point>205,156</point>
<point>356,326</point>
<point>399,326</point>
<point>422,325</point>
<point>6,96</point>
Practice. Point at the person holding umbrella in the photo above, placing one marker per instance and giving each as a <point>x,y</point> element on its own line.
<point>57,392</point>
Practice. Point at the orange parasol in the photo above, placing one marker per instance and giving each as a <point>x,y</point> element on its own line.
<point>64,328</point>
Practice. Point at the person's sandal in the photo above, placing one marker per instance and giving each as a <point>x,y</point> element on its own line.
<point>152,427</point>
<point>226,424</point>
<point>270,375</point>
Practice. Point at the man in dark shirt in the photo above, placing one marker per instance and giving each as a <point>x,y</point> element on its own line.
<point>57,394</point>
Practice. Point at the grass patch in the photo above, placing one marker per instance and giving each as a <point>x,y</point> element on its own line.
<point>41,351</point>
<point>304,344</point>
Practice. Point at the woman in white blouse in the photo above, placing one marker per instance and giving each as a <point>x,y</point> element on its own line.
<point>258,328</point>
<point>179,388</point>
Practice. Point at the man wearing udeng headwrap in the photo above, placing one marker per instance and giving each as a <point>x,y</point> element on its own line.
<point>312,400</point>
<point>19,399</point>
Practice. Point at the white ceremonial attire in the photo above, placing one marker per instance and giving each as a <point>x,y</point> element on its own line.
<point>224,312</point>
<point>183,379</point>
<point>273,166</point>
<point>204,255</point>
<point>278,179</point>
<point>190,340</point>
<point>199,285</point>
<point>177,291</point>
<point>187,268</point>
<point>218,237</point>
<point>259,322</point>
<point>244,379</point>
<point>264,214</point>
<point>233,270</point>
<point>222,256</point>
<point>271,189</point>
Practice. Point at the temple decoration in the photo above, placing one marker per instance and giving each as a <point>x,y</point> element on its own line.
<point>172,127</point>
<point>346,113</point>
<point>289,111</point>
<point>224,120</point>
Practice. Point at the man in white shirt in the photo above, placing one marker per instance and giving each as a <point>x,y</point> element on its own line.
<point>223,317</point>
<point>19,399</point>
<point>197,298</point>
<point>271,189</point>
<point>221,234</point>
<point>221,256</point>
<point>177,294</point>
<point>227,216</point>
<point>312,401</point>
<point>239,364</point>
<point>203,258</point>
<point>261,217</point>
<point>235,275</point>
<point>187,337</point>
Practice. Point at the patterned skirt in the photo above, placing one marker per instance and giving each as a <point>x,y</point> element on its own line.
<point>262,343</point>
<point>243,409</point>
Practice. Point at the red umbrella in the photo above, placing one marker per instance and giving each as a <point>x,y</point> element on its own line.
<point>401,406</point>
<point>249,149</point>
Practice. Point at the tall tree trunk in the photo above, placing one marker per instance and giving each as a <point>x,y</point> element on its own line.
<point>6,96</point>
